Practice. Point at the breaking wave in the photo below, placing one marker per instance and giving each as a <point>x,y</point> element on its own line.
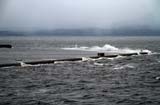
<point>107,48</point>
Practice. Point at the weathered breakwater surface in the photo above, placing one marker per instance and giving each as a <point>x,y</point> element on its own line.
<point>133,80</point>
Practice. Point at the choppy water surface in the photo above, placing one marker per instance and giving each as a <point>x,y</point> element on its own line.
<point>131,80</point>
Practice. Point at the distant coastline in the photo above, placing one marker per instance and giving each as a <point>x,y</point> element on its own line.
<point>84,32</point>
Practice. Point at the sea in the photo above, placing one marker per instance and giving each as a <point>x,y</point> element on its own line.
<point>130,80</point>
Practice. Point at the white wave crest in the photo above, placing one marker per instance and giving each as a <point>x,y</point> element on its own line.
<point>117,67</point>
<point>108,49</point>
<point>24,64</point>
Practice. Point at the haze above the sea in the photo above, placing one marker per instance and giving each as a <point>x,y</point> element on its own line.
<point>73,14</point>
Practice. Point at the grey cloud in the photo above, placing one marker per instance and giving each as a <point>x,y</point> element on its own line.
<point>53,14</point>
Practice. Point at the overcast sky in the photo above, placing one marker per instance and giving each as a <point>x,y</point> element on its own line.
<point>55,14</point>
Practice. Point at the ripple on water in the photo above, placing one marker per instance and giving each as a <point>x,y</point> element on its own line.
<point>119,81</point>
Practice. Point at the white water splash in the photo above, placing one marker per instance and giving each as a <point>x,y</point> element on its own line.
<point>24,64</point>
<point>87,59</point>
<point>108,49</point>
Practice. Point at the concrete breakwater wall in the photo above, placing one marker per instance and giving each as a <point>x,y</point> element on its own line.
<point>5,46</point>
<point>69,59</point>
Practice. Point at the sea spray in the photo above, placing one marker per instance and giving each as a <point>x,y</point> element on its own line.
<point>107,48</point>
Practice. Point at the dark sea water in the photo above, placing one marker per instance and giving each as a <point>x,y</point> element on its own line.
<point>133,80</point>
